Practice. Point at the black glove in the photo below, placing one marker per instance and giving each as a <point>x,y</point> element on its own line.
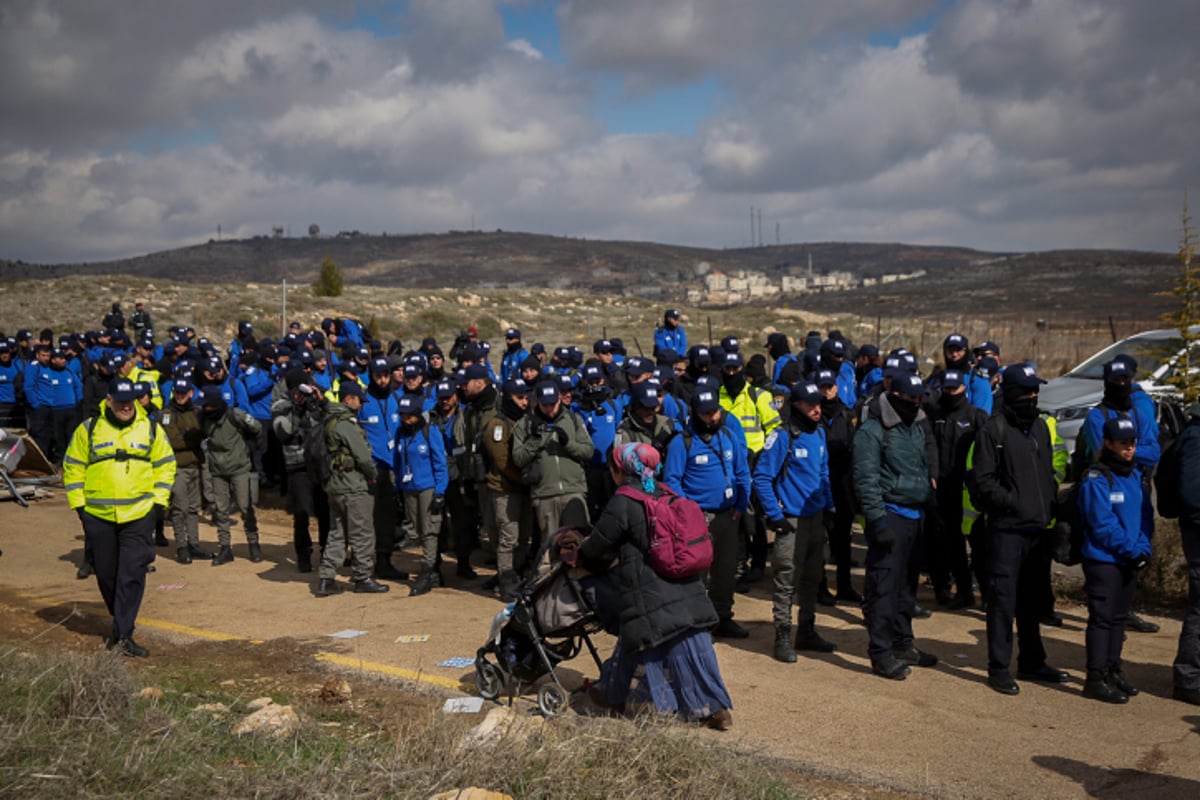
<point>1139,562</point>
<point>437,505</point>
<point>371,487</point>
<point>878,533</point>
<point>829,520</point>
<point>561,435</point>
<point>781,526</point>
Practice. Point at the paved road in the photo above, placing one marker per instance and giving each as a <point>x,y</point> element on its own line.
<point>942,731</point>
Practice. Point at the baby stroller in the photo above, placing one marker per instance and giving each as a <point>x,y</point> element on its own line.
<point>550,621</point>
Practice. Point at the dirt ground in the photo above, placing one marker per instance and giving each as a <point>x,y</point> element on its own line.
<point>942,732</point>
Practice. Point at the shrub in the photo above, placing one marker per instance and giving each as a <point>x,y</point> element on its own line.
<point>330,283</point>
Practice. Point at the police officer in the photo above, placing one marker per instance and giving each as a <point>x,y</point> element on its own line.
<point>474,502</point>
<point>792,482</point>
<point>181,423</point>
<point>379,419</point>
<point>891,477</point>
<point>602,415</point>
<point>1115,547</point>
<point>787,369</point>
<point>1013,477</point>
<point>838,422</point>
<point>352,472</point>
<point>955,422</point>
<point>671,335</point>
<point>421,479</point>
<point>117,470</point>
<point>642,422</point>
<point>707,463</point>
<point>1179,479</point>
<point>514,354</point>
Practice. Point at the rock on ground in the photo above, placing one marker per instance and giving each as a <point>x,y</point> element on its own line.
<point>271,720</point>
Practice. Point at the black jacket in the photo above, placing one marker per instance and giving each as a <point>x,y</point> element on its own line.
<point>954,431</point>
<point>1012,480</point>
<point>653,610</point>
<point>839,436</point>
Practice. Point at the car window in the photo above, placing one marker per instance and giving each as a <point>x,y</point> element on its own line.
<point>1150,355</point>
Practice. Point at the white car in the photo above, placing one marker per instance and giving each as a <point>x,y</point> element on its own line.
<point>1069,397</point>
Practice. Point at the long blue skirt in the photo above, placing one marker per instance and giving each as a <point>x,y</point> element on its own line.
<point>680,677</point>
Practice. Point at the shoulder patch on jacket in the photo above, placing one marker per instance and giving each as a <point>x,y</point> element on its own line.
<point>770,442</point>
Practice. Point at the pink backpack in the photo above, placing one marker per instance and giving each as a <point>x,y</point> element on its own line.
<point>680,545</point>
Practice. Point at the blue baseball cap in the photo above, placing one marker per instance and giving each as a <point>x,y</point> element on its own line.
<point>1120,429</point>
<point>408,404</point>
<point>1021,375</point>
<point>546,393</point>
<point>122,390</point>
<point>952,379</point>
<point>705,400</point>
<point>644,394</point>
<point>444,389</point>
<point>910,385</point>
<point>806,393</point>
<point>515,386</point>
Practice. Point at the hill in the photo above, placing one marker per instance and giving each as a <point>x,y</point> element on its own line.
<point>955,279</point>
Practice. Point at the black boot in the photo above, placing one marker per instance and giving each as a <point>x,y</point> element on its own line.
<point>183,556</point>
<point>370,586</point>
<point>1117,679</point>
<point>85,571</point>
<point>783,644</point>
<point>848,594</point>
<point>824,596</point>
<point>196,551</point>
<point>424,583</point>
<point>1097,687</point>
<point>128,647</point>
<point>811,641</point>
<point>327,586</point>
<point>223,557</point>
<point>160,540</point>
<point>256,552</point>
<point>385,571</point>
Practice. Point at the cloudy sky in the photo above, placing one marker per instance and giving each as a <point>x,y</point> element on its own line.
<point>137,125</point>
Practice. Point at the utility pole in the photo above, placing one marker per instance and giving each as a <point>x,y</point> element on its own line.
<point>283,312</point>
<point>752,242</point>
<point>760,239</point>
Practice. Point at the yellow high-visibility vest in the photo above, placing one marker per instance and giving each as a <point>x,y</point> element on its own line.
<point>119,474</point>
<point>753,409</point>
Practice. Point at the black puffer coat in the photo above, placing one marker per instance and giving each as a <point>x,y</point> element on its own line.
<point>653,610</point>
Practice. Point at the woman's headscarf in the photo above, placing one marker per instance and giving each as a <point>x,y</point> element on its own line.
<point>640,461</point>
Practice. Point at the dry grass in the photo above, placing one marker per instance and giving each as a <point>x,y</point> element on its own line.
<point>71,727</point>
<point>1164,581</point>
<point>551,316</point>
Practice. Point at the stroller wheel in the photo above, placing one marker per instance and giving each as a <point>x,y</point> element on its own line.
<point>551,699</point>
<point>488,680</point>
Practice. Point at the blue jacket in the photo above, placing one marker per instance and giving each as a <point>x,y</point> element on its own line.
<point>380,420</point>
<point>667,339</point>
<point>8,382</point>
<point>1091,435</point>
<point>1113,517</point>
<point>847,392</point>
<point>716,474</point>
<point>602,423</point>
<point>510,365</point>
<point>59,388</point>
<point>979,393</point>
<point>791,476</point>
<point>33,391</point>
<point>420,461</point>
<point>252,393</point>
<point>783,361</point>
<point>873,377</point>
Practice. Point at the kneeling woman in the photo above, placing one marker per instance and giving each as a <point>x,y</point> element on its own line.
<point>663,624</point>
<point>1115,547</point>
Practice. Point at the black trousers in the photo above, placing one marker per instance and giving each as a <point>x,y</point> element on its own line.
<point>1187,657</point>
<point>947,547</point>
<point>120,553</point>
<point>839,537</point>
<point>1109,589</point>
<point>1017,560</point>
<point>384,511</point>
<point>890,592</point>
<point>62,424</point>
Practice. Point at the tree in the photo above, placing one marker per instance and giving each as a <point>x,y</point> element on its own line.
<point>1186,316</point>
<point>314,230</point>
<point>330,283</point>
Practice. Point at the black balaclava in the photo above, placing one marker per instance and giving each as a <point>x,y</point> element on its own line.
<point>1021,411</point>
<point>1118,396</point>
<point>952,402</point>
<point>734,383</point>
<point>510,409</point>
<point>219,408</point>
<point>779,348</point>
<point>802,421</point>
<point>593,396</point>
<point>830,406</point>
<point>704,428</point>
<point>905,407</point>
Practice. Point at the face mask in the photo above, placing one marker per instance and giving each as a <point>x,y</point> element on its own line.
<point>706,428</point>
<point>734,383</point>
<point>1118,396</point>
<point>905,408</point>
<point>1025,410</point>
<point>950,402</point>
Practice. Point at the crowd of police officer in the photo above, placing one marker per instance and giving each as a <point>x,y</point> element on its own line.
<point>414,447</point>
